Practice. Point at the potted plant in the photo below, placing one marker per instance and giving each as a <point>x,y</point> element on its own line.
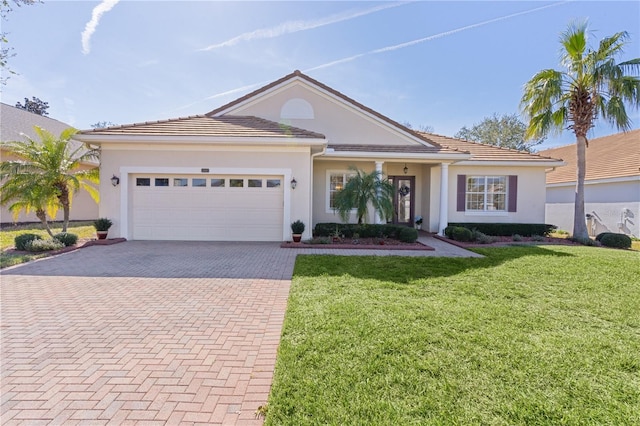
<point>297,228</point>
<point>102,226</point>
<point>418,222</point>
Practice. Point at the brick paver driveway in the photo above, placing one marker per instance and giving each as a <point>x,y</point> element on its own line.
<point>154,333</point>
<point>148,332</point>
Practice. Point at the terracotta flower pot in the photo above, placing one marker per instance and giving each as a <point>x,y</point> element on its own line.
<point>102,234</point>
<point>296,237</point>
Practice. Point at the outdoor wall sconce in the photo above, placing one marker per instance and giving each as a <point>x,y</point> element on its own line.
<point>115,180</point>
<point>406,169</point>
<point>294,183</point>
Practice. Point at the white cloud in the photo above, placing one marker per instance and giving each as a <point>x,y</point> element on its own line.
<point>296,26</point>
<point>91,26</point>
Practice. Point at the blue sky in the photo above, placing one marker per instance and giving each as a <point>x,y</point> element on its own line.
<point>441,64</point>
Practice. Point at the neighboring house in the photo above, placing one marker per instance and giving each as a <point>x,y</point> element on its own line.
<point>15,123</point>
<point>611,190</point>
<point>248,169</point>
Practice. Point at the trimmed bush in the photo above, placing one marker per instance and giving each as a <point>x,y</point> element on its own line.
<point>66,238</point>
<point>616,241</point>
<point>461,234</point>
<point>508,229</point>
<point>364,231</point>
<point>22,240</point>
<point>408,235</point>
<point>602,234</point>
<point>43,245</point>
<point>516,237</point>
<point>481,238</point>
<point>584,241</point>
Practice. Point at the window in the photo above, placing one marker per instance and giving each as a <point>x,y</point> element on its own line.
<point>143,181</point>
<point>180,182</point>
<point>255,183</point>
<point>199,182</point>
<point>217,183</point>
<point>236,183</point>
<point>162,182</point>
<point>337,180</point>
<point>486,193</point>
<point>273,183</point>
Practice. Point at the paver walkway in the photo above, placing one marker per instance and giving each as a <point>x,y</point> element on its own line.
<point>146,333</point>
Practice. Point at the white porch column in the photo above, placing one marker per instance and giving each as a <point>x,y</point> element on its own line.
<point>377,218</point>
<point>444,197</point>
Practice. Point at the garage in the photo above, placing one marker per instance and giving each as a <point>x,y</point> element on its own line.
<point>207,207</point>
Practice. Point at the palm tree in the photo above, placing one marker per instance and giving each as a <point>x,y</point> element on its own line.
<point>591,86</point>
<point>51,164</point>
<point>363,189</point>
<point>27,194</point>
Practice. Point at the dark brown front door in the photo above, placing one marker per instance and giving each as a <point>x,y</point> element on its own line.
<point>404,199</point>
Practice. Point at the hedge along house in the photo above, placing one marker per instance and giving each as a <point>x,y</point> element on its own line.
<point>246,170</point>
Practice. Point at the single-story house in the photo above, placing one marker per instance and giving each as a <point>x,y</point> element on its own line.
<point>15,124</point>
<point>611,190</point>
<point>247,169</point>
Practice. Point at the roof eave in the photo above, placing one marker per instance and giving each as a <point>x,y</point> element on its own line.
<point>216,140</point>
<point>413,156</point>
<point>511,163</point>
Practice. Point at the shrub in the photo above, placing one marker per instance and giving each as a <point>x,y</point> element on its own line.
<point>516,237</point>
<point>103,224</point>
<point>481,238</point>
<point>462,234</point>
<point>408,235</point>
<point>66,238</point>
<point>616,241</point>
<point>508,229</point>
<point>43,245</point>
<point>297,227</point>
<point>584,241</point>
<point>22,240</point>
<point>602,234</point>
<point>365,230</point>
<point>537,238</point>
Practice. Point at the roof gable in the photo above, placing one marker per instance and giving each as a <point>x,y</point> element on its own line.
<point>608,157</point>
<point>346,108</point>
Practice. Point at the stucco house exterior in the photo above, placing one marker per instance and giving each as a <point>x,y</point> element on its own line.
<point>15,124</point>
<point>612,185</point>
<point>247,169</point>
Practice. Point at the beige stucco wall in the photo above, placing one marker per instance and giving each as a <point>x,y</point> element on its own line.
<point>164,158</point>
<point>614,206</point>
<point>321,168</point>
<point>531,192</point>
<point>338,122</point>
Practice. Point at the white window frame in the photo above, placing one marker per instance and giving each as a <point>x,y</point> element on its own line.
<point>485,210</point>
<point>345,174</point>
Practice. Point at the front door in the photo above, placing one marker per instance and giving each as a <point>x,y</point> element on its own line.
<point>404,199</point>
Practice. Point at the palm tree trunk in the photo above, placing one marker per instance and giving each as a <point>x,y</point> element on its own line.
<point>64,201</point>
<point>40,214</point>
<point>579,221</point>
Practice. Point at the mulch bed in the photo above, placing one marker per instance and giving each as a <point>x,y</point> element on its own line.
<point>508,241</point>
<point>360,244</point>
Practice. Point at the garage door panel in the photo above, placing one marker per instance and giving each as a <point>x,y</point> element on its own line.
<point>208,213</point>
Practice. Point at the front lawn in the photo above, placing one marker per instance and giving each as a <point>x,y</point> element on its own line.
<point>84,231</point>
<point>527,335</point>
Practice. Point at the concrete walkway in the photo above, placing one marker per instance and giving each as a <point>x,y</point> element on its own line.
<point>148,332</point>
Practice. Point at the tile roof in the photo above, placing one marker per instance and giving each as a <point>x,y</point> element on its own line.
<point>202,125</point>
<point>613,156</point>
<point>485,152</point>
<point>323,86</point>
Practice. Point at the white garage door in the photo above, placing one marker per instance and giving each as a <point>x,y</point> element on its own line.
<point>207,208</point>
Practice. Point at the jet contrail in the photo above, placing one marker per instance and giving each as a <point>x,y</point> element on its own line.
<point>296,26</point>
<point>91,26</point>
<point>432,37</point>
<point>396,47</point>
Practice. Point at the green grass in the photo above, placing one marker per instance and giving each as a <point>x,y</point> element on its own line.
<point>541,335</point>
<point>84,230</point>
